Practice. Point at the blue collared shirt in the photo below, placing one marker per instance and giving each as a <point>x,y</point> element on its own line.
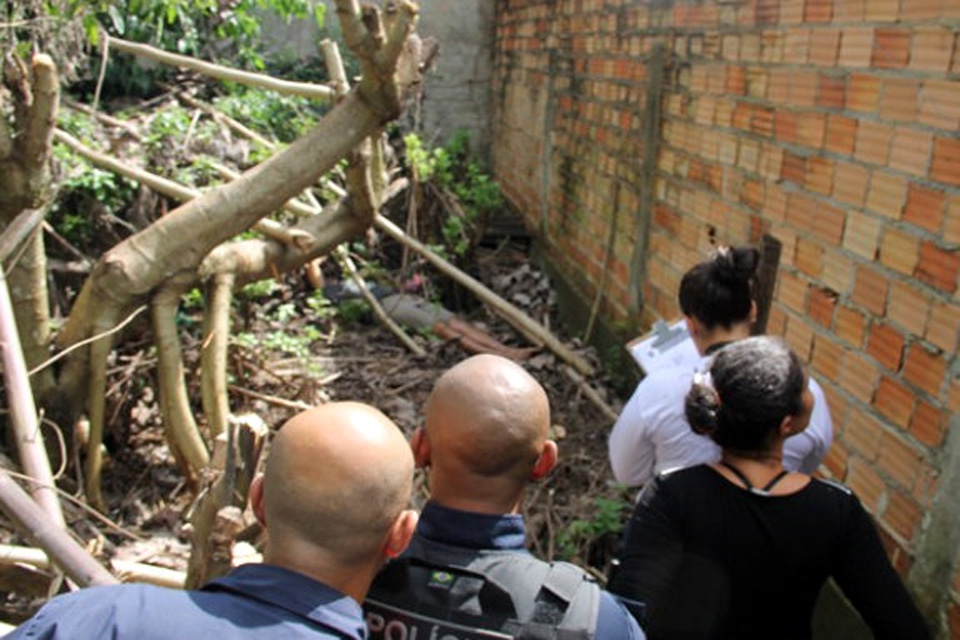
<point>507,532</point>
<point>252,601</point>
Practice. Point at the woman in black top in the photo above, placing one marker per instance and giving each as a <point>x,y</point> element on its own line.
<point>741,549</point>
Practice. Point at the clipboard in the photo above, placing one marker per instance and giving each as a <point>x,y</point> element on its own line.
<point>665,345</point>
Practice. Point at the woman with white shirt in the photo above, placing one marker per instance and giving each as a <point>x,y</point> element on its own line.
<point>652,435</point>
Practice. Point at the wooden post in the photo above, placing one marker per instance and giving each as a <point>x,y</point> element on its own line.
<point>765,281</point>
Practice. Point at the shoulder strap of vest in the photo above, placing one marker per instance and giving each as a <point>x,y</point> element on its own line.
<point>509,593</point>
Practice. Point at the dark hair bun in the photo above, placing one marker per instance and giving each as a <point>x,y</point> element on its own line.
<point>702,407</point>
<point>735,264</point>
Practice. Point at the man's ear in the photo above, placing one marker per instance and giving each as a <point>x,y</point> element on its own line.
<point>421,448</point>
<point>693,327</point>
<point>546,462</point>
<point>256,499</point>
<point>400,534</point>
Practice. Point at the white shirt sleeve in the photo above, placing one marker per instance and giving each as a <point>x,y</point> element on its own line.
<point>805,451</point>
<point>632,454</point>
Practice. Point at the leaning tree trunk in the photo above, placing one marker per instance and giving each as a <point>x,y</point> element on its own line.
<point>177,243</point>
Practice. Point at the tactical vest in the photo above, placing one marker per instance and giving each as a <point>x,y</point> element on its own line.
<point>465,594</point>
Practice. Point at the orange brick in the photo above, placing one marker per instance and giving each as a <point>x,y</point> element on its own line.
<point>794,167</point>
<point>944,326</point>
<point>863,92</point>
<point>799,336</point>
<point>778,86</point>
<point>880,10</point>
<point>886,346</point>
<point>862,435</point>
<point>777,324</point>
<point>901,99</point>
<point>818,11</point>
<point>761,122</point>
<point>850,325</point>
<point>850,183</point>
<point>908,307</point>
<point>887,195</point>
<point>827,223</point>
<point>894,401</point>
<point>899,460</point>
<point>866,483</point>
<point>827,358</point>
<point>841,134</point>
<point>736,80</point>
<point>900,251</point>
<point>808,258</point>
<point>903,515</point>
<point>938,267</point>
<point>836,461</point>
<point>810,129</point>
<point>951,221</point>
<point>785,126</point>
<point>837,271</point>
<point>931,49</point>
<point>796,46</point>
<point>891,48</point>
<point>873,143</point>
<point>859,376</point>
<point>928,424</point>
<point>848,11</point>
<point>911,151</point>
<point>946,161</point>
<point>919,9</point>
<point>924,369</point>
<point>862,235</point>
<point>792,292</point>
<point>822,303</point>
<point>925,207</point>
<point>856,46</point>
<point>824,47</point>
<point>870,290</point>
<point>940,104</point>
<point>832,92</point>
<point>767,12</point>
<point>802,91</point>
<point>819,178</point>
<point>801,209</point>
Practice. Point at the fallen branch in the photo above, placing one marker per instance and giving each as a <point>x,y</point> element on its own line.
<point>296,405</point>
<point>130,571</point>
<point>343,258</point>
<point>23,410</point>
<point>303,89</point>
<point>591,393</point>
<point>36,525</point>
<point>517,318</point>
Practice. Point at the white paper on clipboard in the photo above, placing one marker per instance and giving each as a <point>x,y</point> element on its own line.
<point>664,346</point>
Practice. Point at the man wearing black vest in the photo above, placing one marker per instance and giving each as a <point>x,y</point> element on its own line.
<point>467,573</point>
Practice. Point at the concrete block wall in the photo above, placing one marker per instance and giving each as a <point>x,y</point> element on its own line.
<point>830,124</point>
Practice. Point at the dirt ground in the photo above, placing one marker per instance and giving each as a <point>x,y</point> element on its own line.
<point>574,514</point>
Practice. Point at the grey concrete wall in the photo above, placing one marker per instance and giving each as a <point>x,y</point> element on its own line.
<point>456,92</point>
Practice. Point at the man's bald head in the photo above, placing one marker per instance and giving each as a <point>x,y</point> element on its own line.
<point>487,418</point>
<point>337,478</point>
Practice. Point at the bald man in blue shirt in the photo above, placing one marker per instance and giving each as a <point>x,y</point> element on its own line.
<point>333,500</point>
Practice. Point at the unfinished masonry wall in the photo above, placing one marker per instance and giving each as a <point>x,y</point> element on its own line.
<point>830,124</point>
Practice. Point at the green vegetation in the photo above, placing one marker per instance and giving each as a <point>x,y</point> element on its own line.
<point>607,520</point>
<point>453,168</point>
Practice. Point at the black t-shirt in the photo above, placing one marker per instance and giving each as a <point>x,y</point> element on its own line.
<point>713,560</point>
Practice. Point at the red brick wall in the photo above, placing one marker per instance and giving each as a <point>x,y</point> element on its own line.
<point>831,124</point>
